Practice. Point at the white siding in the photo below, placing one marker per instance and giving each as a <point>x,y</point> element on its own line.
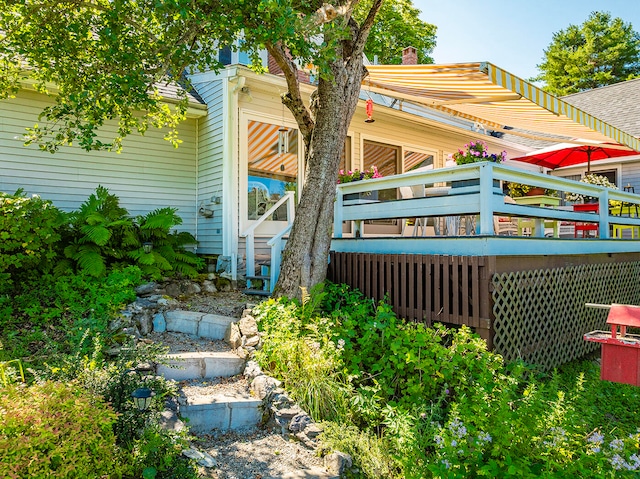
<point>149,173</point>
<point>630,175</point>
<point>211,155</point>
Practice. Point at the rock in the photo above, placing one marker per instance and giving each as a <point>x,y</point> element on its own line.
<point>191,288</point>
<point>203,458</point>
<point>116,324</point>
<point>209,287</point>
<point>182,288</point>
<point>163,302</point>
<point>159,323</point>
<point>173,289</point>
<point>211,276</point>
<point>281,400</point>
<point>144,303</point>
<point>337,462</point>
<point>223,284</point>
<point>288,413</point>
<point>232,336</point>
<point>242,353</point>
<point>246,312</point>
<point>145,324</point>
<point>146,289</point>
<point>299,422</point>
<point>248,326</point>
<point>312,430</point>
<point>262,386</point>
<point>252,370</point>
<point>252,342</point>
<point>131,331</point>
<point>169,420</point>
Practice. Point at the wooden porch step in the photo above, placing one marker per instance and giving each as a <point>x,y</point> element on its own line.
<point>260,277</point>
<point>256,292</point>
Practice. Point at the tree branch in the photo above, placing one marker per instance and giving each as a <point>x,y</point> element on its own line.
<point>293,99</point>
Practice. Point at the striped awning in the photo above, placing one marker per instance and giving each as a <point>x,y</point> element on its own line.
<point>496,99</point>
<point>263,156</point>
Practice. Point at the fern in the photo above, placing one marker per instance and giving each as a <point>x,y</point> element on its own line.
<point>104,236</point>
<point>90,260</point>
<point>95,233</point>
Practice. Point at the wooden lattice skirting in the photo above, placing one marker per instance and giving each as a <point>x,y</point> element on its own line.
<point>540,315</point>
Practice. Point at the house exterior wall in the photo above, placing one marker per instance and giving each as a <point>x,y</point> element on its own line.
<point>239,96</point>
<point>211,156</point>
<point>149,173</point>
<point>631,175</point>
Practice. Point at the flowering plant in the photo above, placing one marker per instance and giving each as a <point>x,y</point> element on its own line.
<point>517,190</point>
<point>477,151</point>
<point>592,179</point>
<point>357,175</point>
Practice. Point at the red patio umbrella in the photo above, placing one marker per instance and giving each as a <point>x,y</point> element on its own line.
<point>567,154</point>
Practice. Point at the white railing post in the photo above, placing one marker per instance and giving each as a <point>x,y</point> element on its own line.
<point>337,214</point>
<point>249,233</point>
<point>251,255</point>
<point>603,210</point>
<point>486,199</point>
<point>276,256</point>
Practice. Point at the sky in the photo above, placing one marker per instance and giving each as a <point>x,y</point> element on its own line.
<point>510,34</point>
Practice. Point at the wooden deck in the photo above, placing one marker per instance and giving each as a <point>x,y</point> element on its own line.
<point>524,295</point>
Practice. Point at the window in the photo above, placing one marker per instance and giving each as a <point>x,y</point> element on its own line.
<point>414,160</point>
<point>387,159</point>
<point>345,155</point>
<point>272,164</point>
<point>610,175</point>
<point>225,56</point>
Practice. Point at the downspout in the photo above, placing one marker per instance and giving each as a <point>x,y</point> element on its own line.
<point>231,226</point>
<point>197,178</point>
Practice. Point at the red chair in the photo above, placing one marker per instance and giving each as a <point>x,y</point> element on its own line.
<point>586,227</point>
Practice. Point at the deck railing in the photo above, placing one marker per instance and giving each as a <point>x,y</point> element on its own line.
<point>477,200</point>
<point>275,243</point>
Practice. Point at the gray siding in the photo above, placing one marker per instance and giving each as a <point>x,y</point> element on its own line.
<point>630,175</point>
<point>210,166</point>
<point>149,173</point>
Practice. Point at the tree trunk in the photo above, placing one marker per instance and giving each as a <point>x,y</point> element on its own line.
<point>306,255</point>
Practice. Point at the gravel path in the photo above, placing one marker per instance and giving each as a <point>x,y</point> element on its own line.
<point>259,454</point>
<point>262,454</point>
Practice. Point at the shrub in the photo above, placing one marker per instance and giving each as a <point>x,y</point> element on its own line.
<point>103,236</point>
<point>155,453</point>
<point>297,350</point>
<point>29,233</point>
<point>158,455</point>
<point>55,430</point>
<point>49,315</point>
<point>372,454</point>
<point>168,254</point>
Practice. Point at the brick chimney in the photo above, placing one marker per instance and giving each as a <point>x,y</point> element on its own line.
<point>409,56</point>
<point>273,67</point>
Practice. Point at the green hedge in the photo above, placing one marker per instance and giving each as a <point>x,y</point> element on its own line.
<point>55,431</point>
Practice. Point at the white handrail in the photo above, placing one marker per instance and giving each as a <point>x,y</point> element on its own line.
<point>477,200</point>
<point>276,255</point>
<point>249,233</point>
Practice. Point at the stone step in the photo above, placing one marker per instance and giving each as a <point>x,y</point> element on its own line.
<point>223,412</point>
<point>201,365</point>
<point>204,325</point>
